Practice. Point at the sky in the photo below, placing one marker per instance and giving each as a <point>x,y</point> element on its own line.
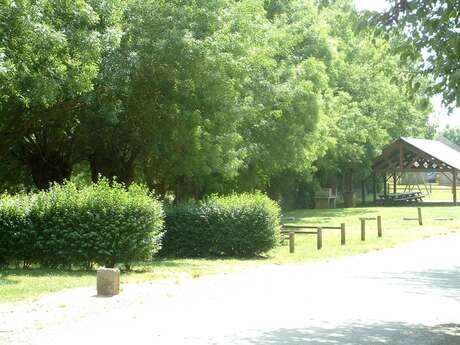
<point>440,115</point>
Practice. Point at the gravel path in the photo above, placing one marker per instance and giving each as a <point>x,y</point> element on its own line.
<point>407,295</point>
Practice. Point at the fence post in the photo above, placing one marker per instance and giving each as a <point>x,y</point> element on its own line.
<point>420,221</point>
<point>319,238</point>
<point>342,234</point>
<point>291,242</point>
<point>363,229</point>
<point>379,226</point>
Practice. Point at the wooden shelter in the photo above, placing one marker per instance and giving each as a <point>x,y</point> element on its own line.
<point>417,155</point>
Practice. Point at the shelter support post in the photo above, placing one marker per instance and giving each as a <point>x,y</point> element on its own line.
<point>454,186</point>
<point>374,187</point>
<point>394,182</point>
<point>385,185</point>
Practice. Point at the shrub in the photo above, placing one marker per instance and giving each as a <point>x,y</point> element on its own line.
<point>16,233</point>
<point>237,225</point>
<point>68,226</point>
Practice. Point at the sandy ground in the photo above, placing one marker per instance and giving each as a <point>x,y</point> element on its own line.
<point>407,295</point>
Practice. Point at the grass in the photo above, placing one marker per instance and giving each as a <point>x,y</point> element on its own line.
<point>18,284</point>
<point>433,193</point>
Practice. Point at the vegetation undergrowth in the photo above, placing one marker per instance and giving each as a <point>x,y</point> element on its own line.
<point>31,283</point>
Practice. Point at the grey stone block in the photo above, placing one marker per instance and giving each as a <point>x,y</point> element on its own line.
<point>108,281</point>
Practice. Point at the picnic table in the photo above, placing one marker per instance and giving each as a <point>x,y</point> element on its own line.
<point>402,197</point>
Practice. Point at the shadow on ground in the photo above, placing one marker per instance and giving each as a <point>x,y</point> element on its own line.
<point>445,283</point>
<point>327,213</point>
<point>392,333</point>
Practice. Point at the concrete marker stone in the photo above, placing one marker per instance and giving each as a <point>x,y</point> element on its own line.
<point>108,281</point>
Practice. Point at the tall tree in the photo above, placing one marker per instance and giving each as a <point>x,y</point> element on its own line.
<point>49,57</point>
<point>282,137</point>
<point>371,100</point>
<point>431,28</point>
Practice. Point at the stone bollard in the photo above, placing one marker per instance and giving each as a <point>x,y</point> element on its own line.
<point>108,281</point>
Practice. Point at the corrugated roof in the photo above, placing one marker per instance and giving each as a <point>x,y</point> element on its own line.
<point>436,149</point>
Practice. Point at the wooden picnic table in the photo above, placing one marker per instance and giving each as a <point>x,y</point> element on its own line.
<point>402,197</point>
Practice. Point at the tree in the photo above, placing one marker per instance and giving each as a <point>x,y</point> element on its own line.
<point>170,101</point>
<point>282,137</point>
<point>371,101</point>
<point>452,134</point>
<point>198,97</point>
<point>219,92</point>
<point>49,58</point>
<point>430,28</point>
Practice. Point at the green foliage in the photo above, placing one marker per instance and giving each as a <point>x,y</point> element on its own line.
<point>68,226</point>
<point>370,101</point>
<point>452,134</point>
<point>50,55</point>
<point>198,97</point>
<point>16,233</point>
<point>430,28</point>
<point>281,134</point>
<point>237,226</point>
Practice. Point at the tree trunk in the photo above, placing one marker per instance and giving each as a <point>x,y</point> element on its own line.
<point>348,181</point>
<point>348,194</point>
<point>112,168</point>
<point>48,169</point>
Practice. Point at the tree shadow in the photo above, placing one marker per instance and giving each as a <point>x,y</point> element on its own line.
<point>413,204</point>
<point>392,333</point>
<point>8,273</point>
<point>6,281</point>
<point>445,282</point>
<point>329,213</point>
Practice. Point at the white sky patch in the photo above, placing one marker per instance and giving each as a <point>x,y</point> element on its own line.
<point>371,5</point>
<point>440,116</point>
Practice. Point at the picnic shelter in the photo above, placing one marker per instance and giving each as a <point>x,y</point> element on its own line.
<point>418,156</point>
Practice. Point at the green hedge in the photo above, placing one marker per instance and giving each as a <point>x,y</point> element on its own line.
<point>237,226</point>
<point>66,226</point>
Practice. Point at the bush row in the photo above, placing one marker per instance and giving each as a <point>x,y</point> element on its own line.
<point>66,226</point>
<point>238,225</point>
<point>107,225</point>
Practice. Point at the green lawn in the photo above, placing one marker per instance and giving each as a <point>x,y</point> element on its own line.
<point>20,284</point>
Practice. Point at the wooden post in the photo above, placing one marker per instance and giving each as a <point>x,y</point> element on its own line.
<point>342,234</point>
<point>454,186</point>
<point>291,242</point>
<point>374,187</point>
<point>379,226</point>
<point>420,221</point>
<point>394,182</point>
<point>385,185</point>
<point>319,238</point>
<point>363,229</point>
<point>401,157</point>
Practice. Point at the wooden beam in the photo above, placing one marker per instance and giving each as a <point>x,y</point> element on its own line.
<point>418,170</point>
<point>454,185</point>
<point>447,177</point>
<point>394,182</point>
<point>401,157</point>
<point>374,187</point>
<point>389,161</point>
<point>385,185</point>
<point>412,162</point>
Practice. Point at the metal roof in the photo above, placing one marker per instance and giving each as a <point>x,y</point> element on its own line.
<point>436,149</point>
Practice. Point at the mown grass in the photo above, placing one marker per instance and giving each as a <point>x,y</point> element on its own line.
<point>17,284</point>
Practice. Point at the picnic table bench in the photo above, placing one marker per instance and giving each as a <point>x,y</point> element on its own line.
<point>402,197</point>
